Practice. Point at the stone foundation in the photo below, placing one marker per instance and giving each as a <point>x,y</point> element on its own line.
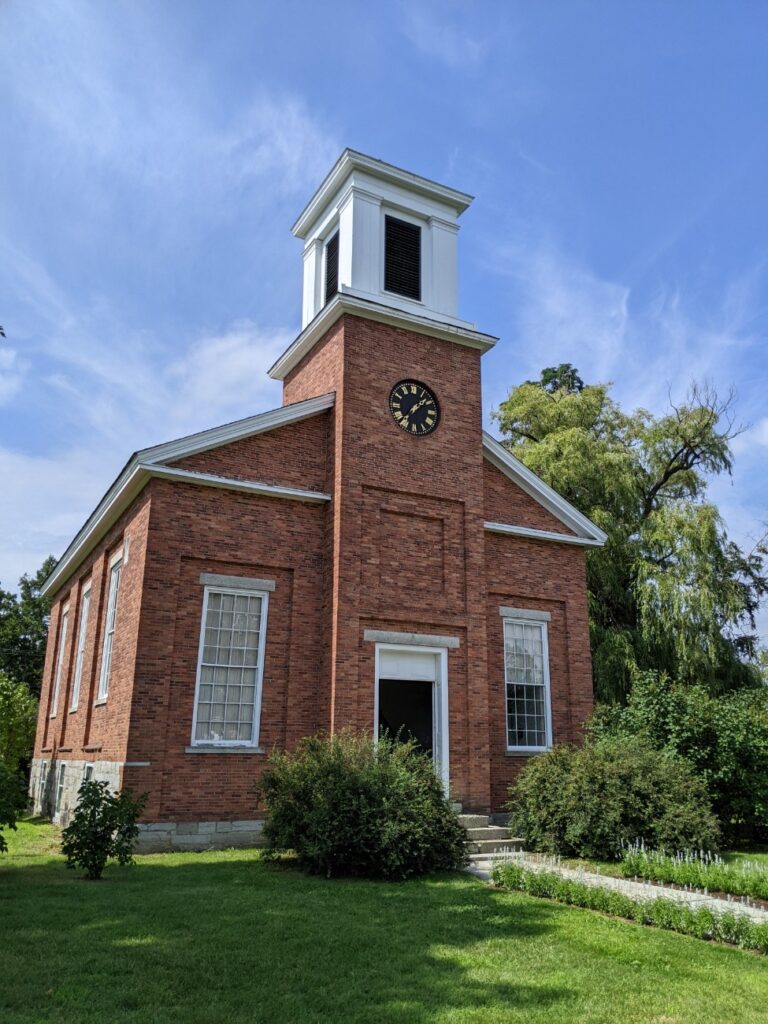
<point>156,837</point>
<point>45,799</point>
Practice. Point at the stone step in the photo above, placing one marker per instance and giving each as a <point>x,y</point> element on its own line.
<point>474,820</point>
<point>489,832</point>
<point>491,846</point>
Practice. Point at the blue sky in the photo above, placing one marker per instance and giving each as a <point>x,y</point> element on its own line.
<point>155,154</point>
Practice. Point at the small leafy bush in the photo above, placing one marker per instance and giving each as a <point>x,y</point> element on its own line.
<point>697,868</point>
<point>11,801</point>
<point>700,922</point>
<point>102,827</point>
<point>345,806</point>
<point>594,800</point>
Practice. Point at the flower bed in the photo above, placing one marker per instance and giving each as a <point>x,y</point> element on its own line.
<point>697,868</point>
<point>671,914</point>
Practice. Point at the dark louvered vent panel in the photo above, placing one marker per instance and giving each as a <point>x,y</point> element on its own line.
<point>331,267</point>
<point>402,258</point>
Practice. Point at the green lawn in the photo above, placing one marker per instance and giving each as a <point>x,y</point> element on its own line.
<point>224,937</point>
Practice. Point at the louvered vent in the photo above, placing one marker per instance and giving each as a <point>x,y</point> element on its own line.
<point>331,267</point>
<point>402,258</point>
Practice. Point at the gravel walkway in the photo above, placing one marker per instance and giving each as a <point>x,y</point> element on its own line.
<point>637,890</point>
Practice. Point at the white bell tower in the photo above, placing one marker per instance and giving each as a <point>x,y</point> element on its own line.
<point>377,233</point>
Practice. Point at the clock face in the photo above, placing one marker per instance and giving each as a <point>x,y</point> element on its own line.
<point>414,408</point>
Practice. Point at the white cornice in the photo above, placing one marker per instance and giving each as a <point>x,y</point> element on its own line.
<point>550,535</point>
<point>349,161</point>
<point>555,503</point>
<point>149,462</point>
<point>236,431</point>
<point>355,306</point>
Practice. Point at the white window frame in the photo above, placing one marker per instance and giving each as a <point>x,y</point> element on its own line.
<point>60,787</point>
<point>63,627</point>
<point>87,772</point>
<point>237,591</point>
<point>110,622</point>
<point>82,630</point>
<point>529,620</point>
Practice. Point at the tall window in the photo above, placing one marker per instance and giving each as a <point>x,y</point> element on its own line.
<point>230,667</point>
<point>59,661</point>
<point>527,680</point>
<point>60,788</point>
<point>402,257</point>
<point>331,267</point>
<point>85,605</point>
<point>109,628</point>
<point>43,785</point>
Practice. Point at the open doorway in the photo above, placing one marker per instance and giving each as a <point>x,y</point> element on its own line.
<point>411,698</point>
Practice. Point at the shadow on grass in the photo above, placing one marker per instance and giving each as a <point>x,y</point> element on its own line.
<point>228,938</point>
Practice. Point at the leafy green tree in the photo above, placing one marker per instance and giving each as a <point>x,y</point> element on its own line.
<point>24,628</point>
<point>18,716</point>
<point>11,801</point>
<point>670,590</point>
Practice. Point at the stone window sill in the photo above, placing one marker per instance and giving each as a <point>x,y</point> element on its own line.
<point>100,702</point>
<point>214,749</point>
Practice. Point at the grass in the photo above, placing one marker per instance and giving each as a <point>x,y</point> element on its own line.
<point>224,937</point>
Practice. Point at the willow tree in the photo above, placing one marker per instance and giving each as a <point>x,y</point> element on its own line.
<point>670,590</point>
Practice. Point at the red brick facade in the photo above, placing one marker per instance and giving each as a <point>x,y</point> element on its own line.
<point>399,547</point>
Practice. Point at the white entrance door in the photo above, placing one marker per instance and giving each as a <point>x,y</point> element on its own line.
<point>411,697</point>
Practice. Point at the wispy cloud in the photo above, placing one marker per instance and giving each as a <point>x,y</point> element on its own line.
<point>435,33</point>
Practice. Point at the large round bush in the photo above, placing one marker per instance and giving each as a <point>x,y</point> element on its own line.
<point>348,807</point>
<point>588,801</point>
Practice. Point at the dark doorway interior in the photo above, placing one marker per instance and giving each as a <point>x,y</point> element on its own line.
<point>405,709</point>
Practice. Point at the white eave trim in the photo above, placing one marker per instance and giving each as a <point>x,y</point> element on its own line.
<point>351,160</point>
<point>150,462</point>
<point>236,431</point>
<point>548,498</point>
<point>228,483</point>
<point>550,535</point>
<point>347,303</point>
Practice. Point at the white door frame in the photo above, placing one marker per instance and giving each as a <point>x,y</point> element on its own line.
<point>440,745</point>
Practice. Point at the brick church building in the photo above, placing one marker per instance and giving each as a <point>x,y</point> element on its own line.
<point>363,556</point>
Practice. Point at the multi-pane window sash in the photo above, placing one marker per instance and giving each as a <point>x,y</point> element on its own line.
<point>59,662</point>
<point>85,605</point>
<point>230,667</point>
<point>527,682</point>
<point>109,629</point>
<point>60,788</point>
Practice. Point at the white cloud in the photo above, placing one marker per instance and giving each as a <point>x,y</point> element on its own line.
<point>427,27</point>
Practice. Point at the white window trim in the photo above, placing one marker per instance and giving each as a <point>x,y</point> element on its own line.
<point>254,740</point>
<point>82,632</point>
<point>63,630</point>
<point>530,618</point>
<point>109,635</point>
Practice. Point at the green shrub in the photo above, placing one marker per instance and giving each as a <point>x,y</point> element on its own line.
<point>11,801</point>
<point>594,800</point>
<point>672,915</point>
<point>725,738</point>
<point>697,868</point>
<point>18,718</point>
<point>348,807</point>
<point>103,826</point>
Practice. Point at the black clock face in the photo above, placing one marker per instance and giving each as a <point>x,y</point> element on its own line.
<point>414,408</point>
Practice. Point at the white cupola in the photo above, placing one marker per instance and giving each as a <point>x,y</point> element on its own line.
<point>384,235</point>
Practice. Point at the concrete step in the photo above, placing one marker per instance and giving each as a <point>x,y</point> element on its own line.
<point>489,832</point>
<point>491,846</point>
<point>474,820</point>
